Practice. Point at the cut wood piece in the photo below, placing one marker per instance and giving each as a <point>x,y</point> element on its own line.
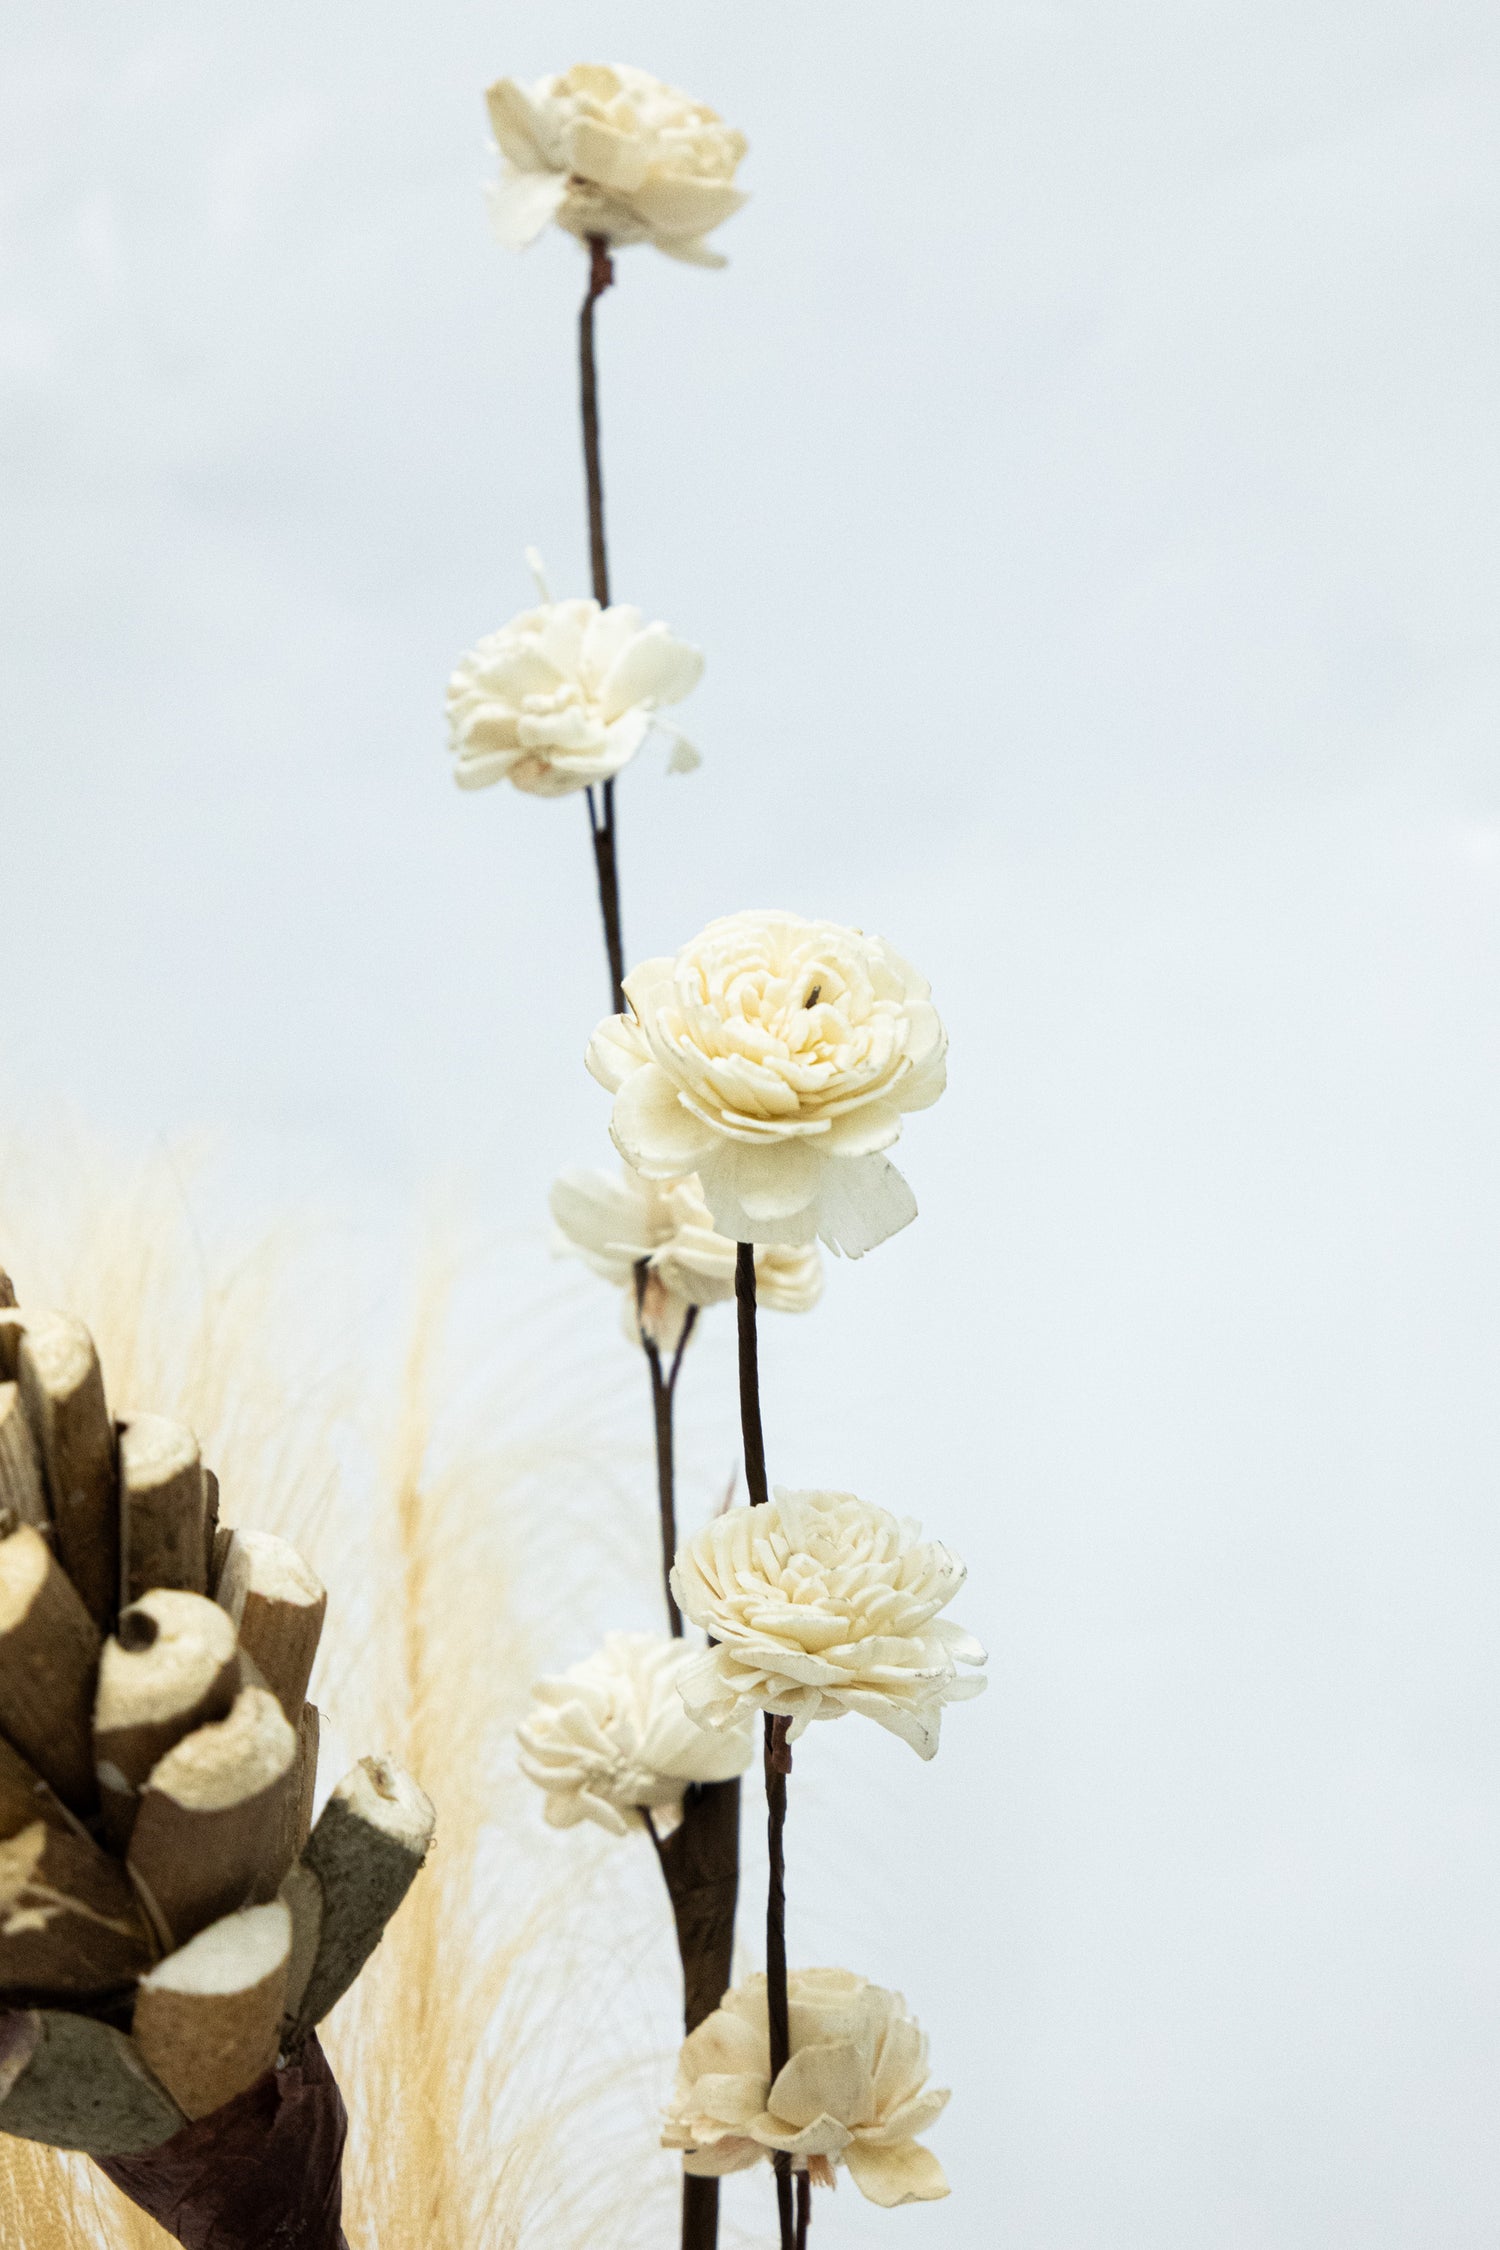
<point>309,1738</point>
<point>69,1920</point>
<point>86,2087</point>
<point>21,1487</point>
<point>162,1508</point>
<point>277,1602</point>
<point>223,1536</point>
<point>366,1849</point>
<point>208,2018</point>
<point>210,1533</point>
<point>25,1797</point>
<point>172,1665</point>
<point>63,1391</point>
<point>210,1833</point>
<point>302,1895</point>
<point>7,1290</point>
<point>49,1660</point>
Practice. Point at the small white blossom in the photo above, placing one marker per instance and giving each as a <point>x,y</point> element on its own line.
<point>615,1221</point>
<point>775,1058</point>
<point>610,1735</point>
<point>605,149</point>
<point>564,695</point>
<point>821,1604</point>
<point>854,2092</point>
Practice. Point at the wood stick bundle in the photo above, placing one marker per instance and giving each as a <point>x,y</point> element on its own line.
<point>158,1761</point>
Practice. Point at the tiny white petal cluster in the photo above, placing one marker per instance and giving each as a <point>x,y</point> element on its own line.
<point>564,695</point>
<point>854,2092</point>
<point>617,1221</point>
<point>610,1735</point>
<point>605,149</point>
<point>775,1057</point>
<point>820,1604</point>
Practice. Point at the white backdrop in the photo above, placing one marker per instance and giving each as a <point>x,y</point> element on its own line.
<point>1083,482</point>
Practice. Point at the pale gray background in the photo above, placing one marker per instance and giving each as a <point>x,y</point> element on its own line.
<point>1084,483</point>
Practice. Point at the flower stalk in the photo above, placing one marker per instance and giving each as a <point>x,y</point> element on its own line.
<point>601,811</point>
<point>778,1756</point>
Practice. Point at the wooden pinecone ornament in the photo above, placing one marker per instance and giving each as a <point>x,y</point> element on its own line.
<point>172,1927</point>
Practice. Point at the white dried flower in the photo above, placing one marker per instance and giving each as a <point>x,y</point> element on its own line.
<point>605,149</point>
<point>610,1735</point>
<point>775,1058</point>
<point>615,1221</point>
<point>854,2092</point>
<point>564,695</point>
<point>821,1604</point>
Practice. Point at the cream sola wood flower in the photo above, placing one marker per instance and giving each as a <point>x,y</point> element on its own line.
<point>775,1057</point>
<point>565,694</point>
<point>820,1604</point>
<point>610,1735</point>
<point>608,150</point>
<point>854,2092</point>
<point>617,1222</point>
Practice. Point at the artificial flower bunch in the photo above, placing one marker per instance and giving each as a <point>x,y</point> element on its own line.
<point>759,1078</point>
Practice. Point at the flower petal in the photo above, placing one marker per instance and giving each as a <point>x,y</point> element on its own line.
<point>890,2176</point>
<point>653,1131</point>
<point>829,2079</point>
<point>861,1202</point>
<point>652,669</point>
<point>616,1049</point>
<point>523,204</point>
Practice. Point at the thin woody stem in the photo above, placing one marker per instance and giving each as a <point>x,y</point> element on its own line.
<point>804,2208</point>
<point>663,1391</point>
<point>601,812</point>
<point>778,1756</point>
<point>754,1437</point>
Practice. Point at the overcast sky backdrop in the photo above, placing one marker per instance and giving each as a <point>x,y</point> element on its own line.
<point>1084,484</point>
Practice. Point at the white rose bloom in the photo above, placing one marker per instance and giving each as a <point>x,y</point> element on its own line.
<point>616,1220</point>
<point>564,695</point>
<point>610,1735</point>
<point>605,149</point>
<point>821,1604</point>
<point>775,1058</point>
<point>854,2092</point>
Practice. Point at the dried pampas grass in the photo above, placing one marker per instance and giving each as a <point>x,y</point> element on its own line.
<point>504,2054</point>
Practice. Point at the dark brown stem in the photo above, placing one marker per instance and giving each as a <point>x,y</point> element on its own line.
<point>754,1438</point>
<point>601,815</point>
<point>804,2208</point>
<point>778,1764</point>
<point>700,1861</point>
<point>778,1756</point>
<point>601,277</point>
